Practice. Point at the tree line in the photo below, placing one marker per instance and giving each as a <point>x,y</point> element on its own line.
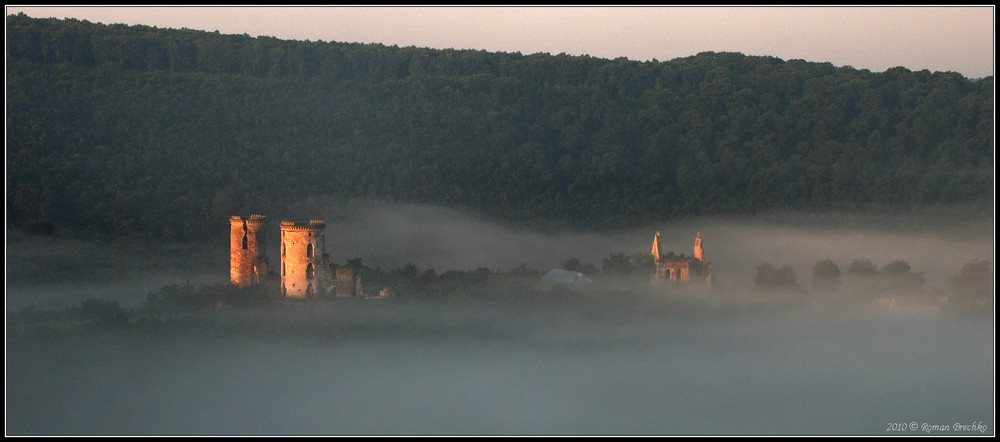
<point>970,292</point>
<point>971,287</point>
<point>135,131</point>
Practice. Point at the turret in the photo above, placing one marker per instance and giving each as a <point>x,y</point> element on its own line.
<point>247,249</point>
<point>699,252</point>
<point>303,273</point>
<point>656,247</point>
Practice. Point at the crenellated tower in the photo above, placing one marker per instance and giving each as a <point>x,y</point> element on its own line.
<point>247,249</point>
<point>303,267</point>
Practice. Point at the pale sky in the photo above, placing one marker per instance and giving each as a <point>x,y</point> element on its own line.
<point>943,38</point>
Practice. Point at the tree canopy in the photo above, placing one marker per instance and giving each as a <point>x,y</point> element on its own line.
<point>118,130</point>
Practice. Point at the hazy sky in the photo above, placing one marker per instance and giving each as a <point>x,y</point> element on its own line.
<point>956,39</point>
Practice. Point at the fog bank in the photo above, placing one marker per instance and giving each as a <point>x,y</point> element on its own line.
<point>56,272</point>
<point>470,371</point>
<point>392,235</point>
<point>622,359</point>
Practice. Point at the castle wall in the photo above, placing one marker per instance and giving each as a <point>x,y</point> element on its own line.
<point>681,269</point>
<point>303,272</point>
<point>346,283</point>
<point>247,249</point>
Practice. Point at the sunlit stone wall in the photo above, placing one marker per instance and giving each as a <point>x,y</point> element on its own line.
<point>247,249</point>
<point>302,250</point>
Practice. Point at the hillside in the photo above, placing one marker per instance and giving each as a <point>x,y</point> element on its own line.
<point>134,131</point>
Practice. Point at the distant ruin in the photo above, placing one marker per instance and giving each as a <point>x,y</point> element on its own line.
<point>247,249</point>
<point>346,282</point>
<point>673,268</point>
<point>303,259</point>
<point>306,270</point>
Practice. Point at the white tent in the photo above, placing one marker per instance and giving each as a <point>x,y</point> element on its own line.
<point>573,280</point>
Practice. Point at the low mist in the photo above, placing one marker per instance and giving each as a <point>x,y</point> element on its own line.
<point>936,243</point>
<point>620,359</point>
<point>391,235</point>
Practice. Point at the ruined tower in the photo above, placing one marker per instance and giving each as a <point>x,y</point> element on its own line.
<point>302,259</point>
<point>247,250</point>
<point>699,252</point>
<point>671,267</point>
<point>656,247</point>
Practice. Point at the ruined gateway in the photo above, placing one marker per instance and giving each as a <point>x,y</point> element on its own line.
<point>670,267</point>
<point>247,252</point>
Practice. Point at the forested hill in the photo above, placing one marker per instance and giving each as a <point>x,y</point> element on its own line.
<point>117,130</point>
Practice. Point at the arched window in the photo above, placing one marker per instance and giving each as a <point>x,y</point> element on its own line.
<point>309,251</point>
<point>309,271</point>
<point>244,240</point>
<point>282,248</point>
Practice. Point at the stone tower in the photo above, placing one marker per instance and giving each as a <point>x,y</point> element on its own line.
<point>699,252</point>
<point>303,269</point>
<point>247,249</point>
<point>656,248</point>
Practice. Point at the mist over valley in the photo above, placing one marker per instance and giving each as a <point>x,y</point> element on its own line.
<point>619,358</point>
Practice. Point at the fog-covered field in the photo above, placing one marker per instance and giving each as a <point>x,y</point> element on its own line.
<point>501,371</point>
<point>607,362</point>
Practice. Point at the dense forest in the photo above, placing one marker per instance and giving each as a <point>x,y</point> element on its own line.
<point>134,131</point>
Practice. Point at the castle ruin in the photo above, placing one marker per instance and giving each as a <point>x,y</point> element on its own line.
<point>247,249</point>
<point>306,270</point>
<point>303,259</point>
<point>346,282</point>
<point>675,268</point>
